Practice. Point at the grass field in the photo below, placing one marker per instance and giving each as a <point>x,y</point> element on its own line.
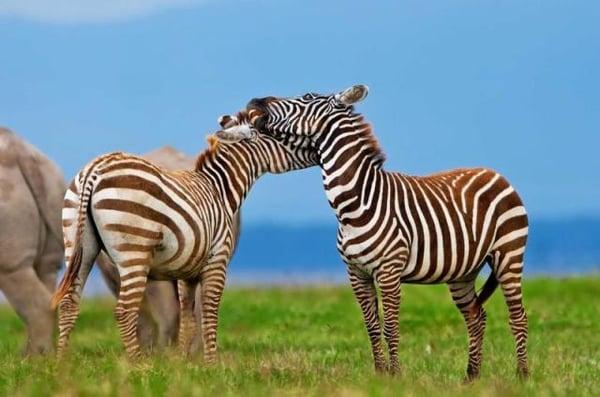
<point>311,341</point>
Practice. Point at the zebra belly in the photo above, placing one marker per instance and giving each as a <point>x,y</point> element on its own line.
<point>431,271</point>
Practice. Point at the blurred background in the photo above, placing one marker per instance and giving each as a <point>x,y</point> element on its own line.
<point>510,85</point>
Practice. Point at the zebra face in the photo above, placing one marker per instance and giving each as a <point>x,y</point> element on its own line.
<point>235,130</point>
<point>276,155</point>
<point>308,115</point>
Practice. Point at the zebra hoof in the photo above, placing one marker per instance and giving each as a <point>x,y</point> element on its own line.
<point>523,373</point>
<point>394,370</point>
<point>471,376</point>
<point>135,356</point>
<point>381,368</point>
<point>210,361</point>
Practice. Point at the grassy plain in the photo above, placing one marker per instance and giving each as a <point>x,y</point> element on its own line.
<point>311,341</point>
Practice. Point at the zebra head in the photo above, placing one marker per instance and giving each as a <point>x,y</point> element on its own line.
<point>309,115</point>
<point>235,128</point>
<point>277,156</point>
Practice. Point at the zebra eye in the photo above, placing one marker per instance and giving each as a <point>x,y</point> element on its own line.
<point>307,96</point>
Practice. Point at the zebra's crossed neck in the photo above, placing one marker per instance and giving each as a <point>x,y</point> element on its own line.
<point>238,154</point>
<point>349,154</point>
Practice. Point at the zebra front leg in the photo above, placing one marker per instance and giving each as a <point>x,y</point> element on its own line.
<point>463,294</point>
<point>127,311</point>
<point>364,290</point>
<point>212,283</point>
<point>388,280</point>
<point>187,327</point>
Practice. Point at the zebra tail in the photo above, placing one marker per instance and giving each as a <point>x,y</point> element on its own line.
<point>72,272</point>
<point>69,278</point>
<point>486,291</point>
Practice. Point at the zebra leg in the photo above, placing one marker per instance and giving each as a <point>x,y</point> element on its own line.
<point>196,344</point>
<point>389,284</point>
<point>68,308</point>
<point>187,327</point>
<point>510,273</point>
<point>464,295</point>
<point>364,290</point>
<point>212,285</point>
<point>127,311</point>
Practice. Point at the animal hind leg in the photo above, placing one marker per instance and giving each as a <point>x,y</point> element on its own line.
<point>69,305</point>
<point>49,263</point>
<point>161,307</point>
<point>160,313</point>
<point>509,270</point>
<point>127,310</point>
<point>197,344</point>
<point>146,325</point>
<point>165,311</point>
<point>187,328</point>
<point>31,300</point>
<point>464,296</point>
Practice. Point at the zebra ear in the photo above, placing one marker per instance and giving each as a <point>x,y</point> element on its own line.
<point>353,94</point>
<point>226,121</point>
<point>235,133</point>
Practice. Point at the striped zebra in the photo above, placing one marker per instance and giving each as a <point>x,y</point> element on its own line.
<point>395,228</point>
<point>166,225</point>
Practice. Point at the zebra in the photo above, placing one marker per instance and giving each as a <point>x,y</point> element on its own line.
<point>165,225</point>
<point>395,228</point>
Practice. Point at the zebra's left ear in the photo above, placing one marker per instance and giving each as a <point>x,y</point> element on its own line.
<point>353,94</point>
<point>226,120</point>
<point>235,133</point>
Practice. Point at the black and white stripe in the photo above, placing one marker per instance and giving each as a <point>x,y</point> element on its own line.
<point>395,228</point>
<point>166,225</point>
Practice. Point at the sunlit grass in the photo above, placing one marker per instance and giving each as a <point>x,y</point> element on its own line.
<point>311,341</point>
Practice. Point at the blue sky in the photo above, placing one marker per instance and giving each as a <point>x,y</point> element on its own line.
<point>513,85</point>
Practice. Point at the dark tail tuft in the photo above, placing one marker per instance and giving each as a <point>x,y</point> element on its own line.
<point>486,291</point>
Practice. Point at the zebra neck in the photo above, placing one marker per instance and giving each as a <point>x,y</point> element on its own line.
<point>351,169</point>
<point>233,176</point>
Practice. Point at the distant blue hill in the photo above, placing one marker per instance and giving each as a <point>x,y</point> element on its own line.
<point>307,253</point>
<point>283,254</point>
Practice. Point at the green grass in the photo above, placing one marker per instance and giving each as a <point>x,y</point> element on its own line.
<point>311,341</point>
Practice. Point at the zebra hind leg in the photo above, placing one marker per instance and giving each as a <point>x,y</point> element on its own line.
<point>127,311</point>
<point>68,308</point>
<point>366,295</point>
<point>463,294</point>
<point>510,271</point>
<point>187,327</point>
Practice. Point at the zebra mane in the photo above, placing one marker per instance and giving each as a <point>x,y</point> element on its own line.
<point>242,117</point>
<point>209,153</point>
<point>370,140</point>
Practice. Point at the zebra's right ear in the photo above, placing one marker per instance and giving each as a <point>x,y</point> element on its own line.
<point>352,95</point>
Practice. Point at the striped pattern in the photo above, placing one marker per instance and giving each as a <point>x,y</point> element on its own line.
<point>395,228</point>
<point>165,225</point>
